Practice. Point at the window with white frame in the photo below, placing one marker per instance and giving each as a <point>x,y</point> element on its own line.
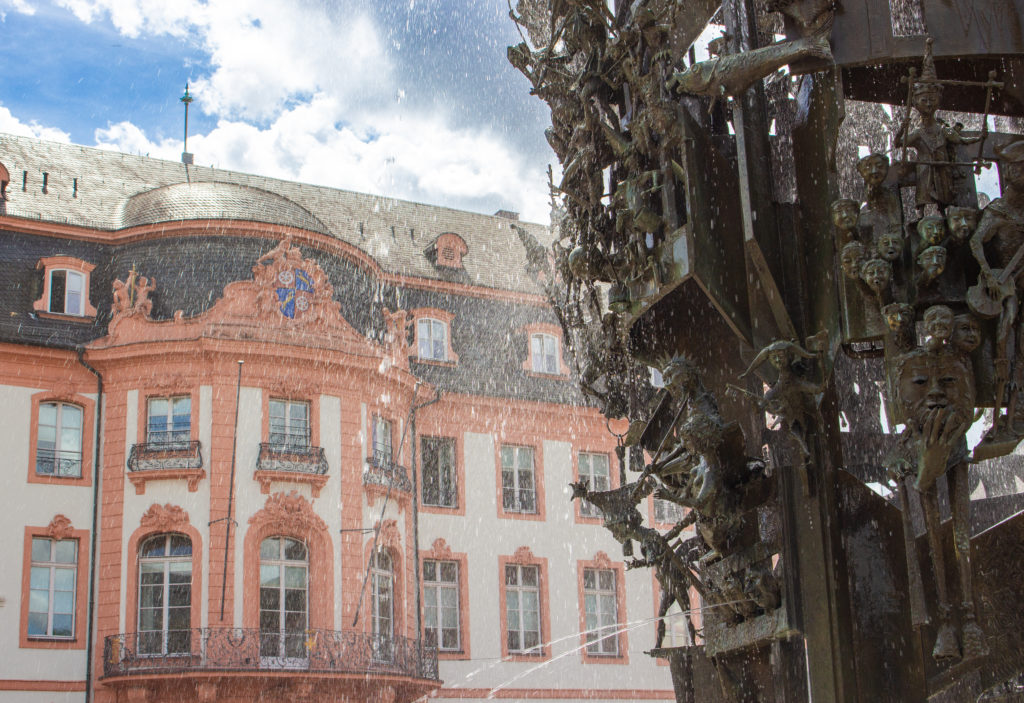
<point>165,595</point>
<point>382,450</point>
<point>51,596</point>
<point>518,487</point>
<point>593,468</point>
<point>59,440</point>
<point>438,455</point>
<point>432,339</point>
<point>667,511</point>
<point>544,353</point>
<point>67,292</point>
<point>441,604</point>
<point>284,599</point>
<point>382,584</point>
<point>289,423</point>
<point>169,420</point>
<point>522,609</point>
<point>600,611</point>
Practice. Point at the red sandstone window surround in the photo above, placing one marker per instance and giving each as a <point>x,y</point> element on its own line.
<point>523,580</point>
<point>65,288</point>
<point>54,586</point>
<point>602,600</point>
<point>443,595</point>
<point>433,328</point>
<point>544,350</point>
<point>61,438</point>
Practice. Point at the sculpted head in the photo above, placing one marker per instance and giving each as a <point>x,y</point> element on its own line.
<point>1011,164</point>
<point>962,222</point>
<point>890,245</point>
<point>966,333</point>
<point>874,168</point>
<point>851,258</point>
<point>877,273</point>
<point>845,213</point>
<point>932,230</point>
<point>938,323</point>
<point>899,317</point>
<point>928,381</point>
<point>932,261</point>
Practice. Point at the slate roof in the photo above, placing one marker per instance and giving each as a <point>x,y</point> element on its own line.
<point>107,190</point>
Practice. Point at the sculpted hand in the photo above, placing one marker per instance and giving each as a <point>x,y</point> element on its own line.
<point>941,430</point>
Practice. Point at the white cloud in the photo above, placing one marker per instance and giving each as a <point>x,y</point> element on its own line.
<point>12,125</point>
<point>423,161</point>
<point>21,6</point>
<point>304,91</point>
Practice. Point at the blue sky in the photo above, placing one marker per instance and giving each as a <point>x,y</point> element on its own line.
<point>412,99</point>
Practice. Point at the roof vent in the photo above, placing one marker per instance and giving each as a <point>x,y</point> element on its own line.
<point>507,214</point>
<point>447,251</point>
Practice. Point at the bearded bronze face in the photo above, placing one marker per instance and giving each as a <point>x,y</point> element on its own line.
<point>932,231</point>
<point>932,261</point>
<point>930,382</point>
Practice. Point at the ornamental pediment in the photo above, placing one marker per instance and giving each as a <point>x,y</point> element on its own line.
<point>289,299</point>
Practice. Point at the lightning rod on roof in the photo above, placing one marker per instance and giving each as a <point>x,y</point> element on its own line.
<point>186,158</point>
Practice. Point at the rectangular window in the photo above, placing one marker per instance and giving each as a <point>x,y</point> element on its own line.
<point>439,472</point>
<point>289,423</point>
<point>51,609</point>
<point>518,489</point>
<point>169,421</point>
<point>522,609</point>
<point>59,440</point>
<point>667,511</point>
<point>544,352</point>
<point>66,292</point>
<point>600,610</point>
<point>593,468</point>
<point>441,605</point>
<point>382,439</point>
<point>432,339</point>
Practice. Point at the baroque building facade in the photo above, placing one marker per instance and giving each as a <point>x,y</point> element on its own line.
<point>272,441</point>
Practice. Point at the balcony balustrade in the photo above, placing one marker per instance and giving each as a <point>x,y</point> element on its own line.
<point>291,459</point>
<point>149,461</point>
<point>213,649</point>
<point>382,471</point>
<point>57,462</point>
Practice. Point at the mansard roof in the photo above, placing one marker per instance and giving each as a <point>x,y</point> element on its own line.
<point>109,191</point>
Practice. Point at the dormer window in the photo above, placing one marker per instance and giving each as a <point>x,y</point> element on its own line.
<point>544,353</point>
<point>65,287</point>
<point>5,178</point>
<point>434,336</point>
<point>432,339</point>
<point>447,251</point>
<point>66,291</point>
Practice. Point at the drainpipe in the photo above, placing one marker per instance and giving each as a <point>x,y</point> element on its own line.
<point>416,520</point>
<point>90,618</point>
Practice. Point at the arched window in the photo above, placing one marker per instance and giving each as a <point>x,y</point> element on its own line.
<point>59,440</point>
<point>284,598</point>
<point>382,576</point>
<point>165,595</point>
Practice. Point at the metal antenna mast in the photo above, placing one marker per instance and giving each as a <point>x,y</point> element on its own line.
<point>186,158</point>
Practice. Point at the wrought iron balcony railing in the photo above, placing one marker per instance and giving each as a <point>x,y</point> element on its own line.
<point>56,462</point>
<point>238,649</point>
<point>153,456</point>
<point>295,457</point>
<point>383,471</point>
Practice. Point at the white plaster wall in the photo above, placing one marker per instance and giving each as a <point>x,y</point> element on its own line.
<point>36,504</point>
<point>330,496</point>
<point>248,498</point>
<point>483,537</point>
<point>41,697</point>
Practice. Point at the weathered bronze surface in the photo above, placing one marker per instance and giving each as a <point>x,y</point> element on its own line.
<point>675,251</point>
